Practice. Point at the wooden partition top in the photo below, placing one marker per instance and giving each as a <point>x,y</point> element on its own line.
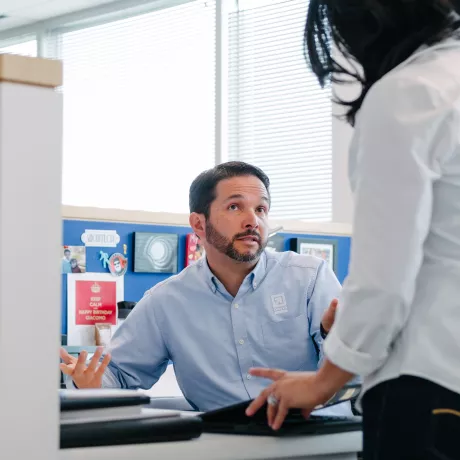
<point>30,70</point>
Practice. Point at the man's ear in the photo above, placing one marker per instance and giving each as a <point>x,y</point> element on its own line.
<point>198,224</point>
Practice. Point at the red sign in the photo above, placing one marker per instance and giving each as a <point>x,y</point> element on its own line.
<point>96,302</point>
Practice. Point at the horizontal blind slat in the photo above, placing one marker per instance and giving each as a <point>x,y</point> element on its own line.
<point>279,117</point>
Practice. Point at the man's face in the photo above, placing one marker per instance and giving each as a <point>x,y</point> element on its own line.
<point>67,255</point>
<point>238,222</point>
<point>117,265</point>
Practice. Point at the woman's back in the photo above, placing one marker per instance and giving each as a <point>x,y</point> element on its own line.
<point>407,191</point>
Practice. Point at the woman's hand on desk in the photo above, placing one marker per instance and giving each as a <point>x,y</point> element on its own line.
<point>85,376</point>
<point>301,390</point>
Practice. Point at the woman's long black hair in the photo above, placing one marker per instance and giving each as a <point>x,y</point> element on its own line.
<point>375,34</point>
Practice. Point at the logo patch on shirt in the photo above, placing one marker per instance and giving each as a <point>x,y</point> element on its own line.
<point>279,304</point>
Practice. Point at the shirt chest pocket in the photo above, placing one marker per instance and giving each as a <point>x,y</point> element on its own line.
<point>287,342</point>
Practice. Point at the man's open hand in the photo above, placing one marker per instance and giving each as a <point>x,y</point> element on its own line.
<point>85,376</point>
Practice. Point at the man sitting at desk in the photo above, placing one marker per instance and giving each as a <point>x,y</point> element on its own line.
<point>237,308</point>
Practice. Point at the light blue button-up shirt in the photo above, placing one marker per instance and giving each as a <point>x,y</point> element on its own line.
<point>214,338</point>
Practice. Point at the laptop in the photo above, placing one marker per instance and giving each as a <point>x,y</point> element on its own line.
<point>233,419</point>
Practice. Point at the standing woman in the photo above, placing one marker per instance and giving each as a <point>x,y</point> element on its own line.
<point>398,322</point>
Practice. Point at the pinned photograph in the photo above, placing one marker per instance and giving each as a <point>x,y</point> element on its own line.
<point>194,250</point>
<point>322,251</point>
<point>322,248</point>
<point>73,259</point>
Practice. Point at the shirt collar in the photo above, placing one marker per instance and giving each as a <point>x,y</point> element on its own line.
<point>255,277</point>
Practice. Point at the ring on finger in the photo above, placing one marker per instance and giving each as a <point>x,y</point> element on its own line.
<point>272,400</point>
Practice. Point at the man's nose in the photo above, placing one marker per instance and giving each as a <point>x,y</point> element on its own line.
<point>251,221</point>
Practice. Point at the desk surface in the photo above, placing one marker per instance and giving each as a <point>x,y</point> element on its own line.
<point>230,447</point>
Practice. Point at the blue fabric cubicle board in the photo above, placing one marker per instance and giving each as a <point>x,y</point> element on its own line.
<point>137,283</point>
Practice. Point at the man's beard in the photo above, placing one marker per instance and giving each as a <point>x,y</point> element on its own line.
<point>227,247</point>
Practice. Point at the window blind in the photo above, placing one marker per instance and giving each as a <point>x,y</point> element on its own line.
<point>139,108</point>
<point>279,117</point>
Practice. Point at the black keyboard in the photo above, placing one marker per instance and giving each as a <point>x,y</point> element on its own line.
<point>233,419</point>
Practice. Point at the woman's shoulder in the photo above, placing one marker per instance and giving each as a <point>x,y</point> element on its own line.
<point>430,70</point>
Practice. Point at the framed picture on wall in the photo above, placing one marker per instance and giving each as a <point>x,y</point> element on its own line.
<point>155,252</point>
<point>325,249</point>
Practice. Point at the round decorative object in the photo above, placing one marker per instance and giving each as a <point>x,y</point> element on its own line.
<point>161,252</point>
<point>118,264</point>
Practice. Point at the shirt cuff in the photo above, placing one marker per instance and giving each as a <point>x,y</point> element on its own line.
<point>109,380</point>
<point>341,355</point>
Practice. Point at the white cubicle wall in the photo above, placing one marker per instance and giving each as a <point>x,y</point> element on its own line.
<point>30,191</point>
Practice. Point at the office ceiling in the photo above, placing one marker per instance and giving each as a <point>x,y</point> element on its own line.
<point>23,12</point>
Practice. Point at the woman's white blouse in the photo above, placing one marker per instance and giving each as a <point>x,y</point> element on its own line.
<point>399,311</point>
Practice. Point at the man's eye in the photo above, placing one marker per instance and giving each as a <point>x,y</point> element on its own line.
<point>233,207</point>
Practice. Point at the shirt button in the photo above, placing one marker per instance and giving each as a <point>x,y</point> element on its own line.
<point>249,376</point>
<point>241,341</point>
<point>237,306</point>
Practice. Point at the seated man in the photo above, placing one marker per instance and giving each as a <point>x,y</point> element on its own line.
<point>238,307</point>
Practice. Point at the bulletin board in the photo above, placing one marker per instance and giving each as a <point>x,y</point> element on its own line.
<point>136,284</point>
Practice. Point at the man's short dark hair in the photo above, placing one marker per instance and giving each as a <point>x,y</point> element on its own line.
<point>203,188</point>
<point>66,251</point>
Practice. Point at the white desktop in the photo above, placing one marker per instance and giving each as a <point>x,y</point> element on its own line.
<point>343,446</point>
